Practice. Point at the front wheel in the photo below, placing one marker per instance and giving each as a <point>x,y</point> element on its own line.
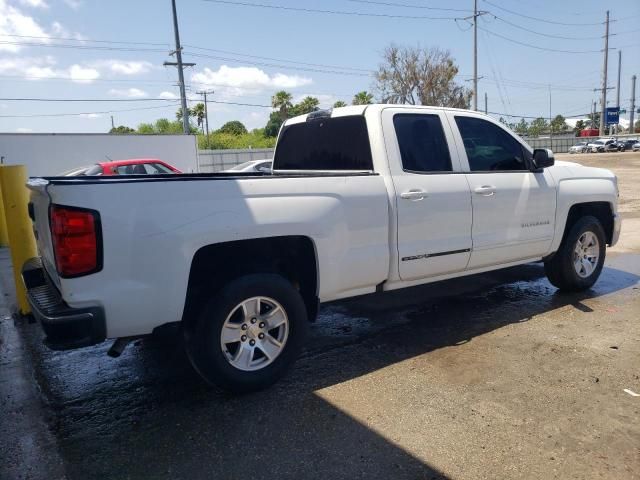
<point>248,335</point>
<point>578,262</point>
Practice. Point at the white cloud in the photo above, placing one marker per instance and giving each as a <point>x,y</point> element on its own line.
<point>129,93</point>
<point>81,74</point>
<point>168,96</point>
<point>34,3</point>
<point>15,22</point>
<point>35,68</point>
<point>75,4</point>
<point>90,115</point>
<point>24,130</point>
<point>232,81</point>
<point>125,67</point>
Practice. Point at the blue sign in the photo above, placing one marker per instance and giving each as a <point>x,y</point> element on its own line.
<point>613,115</point>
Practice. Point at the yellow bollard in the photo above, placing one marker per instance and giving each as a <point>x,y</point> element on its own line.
<point>4,238</point>
<point>15,197</point>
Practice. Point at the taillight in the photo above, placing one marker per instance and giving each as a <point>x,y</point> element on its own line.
<point>75,234</point>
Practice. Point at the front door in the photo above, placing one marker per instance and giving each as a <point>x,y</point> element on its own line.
<point>513,207</point>
<point>433,203</point>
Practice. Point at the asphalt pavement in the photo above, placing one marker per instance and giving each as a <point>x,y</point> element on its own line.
<point>489,376</point>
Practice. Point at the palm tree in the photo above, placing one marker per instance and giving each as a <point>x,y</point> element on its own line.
<point>282,101</point>
<point>362,98</point>
<point>339,104</point>
<point>198,112</point>
<point>179,113</point>
<point>307,105</point>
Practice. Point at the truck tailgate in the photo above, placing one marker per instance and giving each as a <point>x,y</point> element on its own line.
<point>39,210</point>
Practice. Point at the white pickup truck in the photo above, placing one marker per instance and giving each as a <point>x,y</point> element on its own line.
<point>361,199</point>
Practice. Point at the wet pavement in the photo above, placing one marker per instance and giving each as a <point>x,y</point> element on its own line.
<point>491,376</point>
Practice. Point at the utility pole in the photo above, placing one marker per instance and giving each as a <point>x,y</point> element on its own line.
<point>180,64</point>
<point>112,124</point>
<point>618,89</point>
<point>633,104</point>
<point>475,55</point>
<point>550,127</point>
<point>603,114</point>
<point>486,110</point>
<point>206,112</point>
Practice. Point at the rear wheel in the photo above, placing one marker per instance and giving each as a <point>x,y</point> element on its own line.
<point>578,262</point>
<point>249,334</point>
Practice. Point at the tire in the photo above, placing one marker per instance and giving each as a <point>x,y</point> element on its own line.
<point>241,366</point>
<point>562,270</point>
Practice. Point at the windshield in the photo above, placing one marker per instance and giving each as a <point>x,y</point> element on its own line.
<point>86,170</point>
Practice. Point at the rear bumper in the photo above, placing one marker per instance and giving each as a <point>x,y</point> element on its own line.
<point>65,327</point>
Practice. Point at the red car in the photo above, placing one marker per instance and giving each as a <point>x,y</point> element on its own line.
<point>134,166</point>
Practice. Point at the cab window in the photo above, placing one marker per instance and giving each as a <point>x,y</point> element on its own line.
<point>423,147</point>
<point>489,147</point>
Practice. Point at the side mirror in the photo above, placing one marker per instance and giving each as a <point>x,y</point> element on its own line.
<point>542,158</point>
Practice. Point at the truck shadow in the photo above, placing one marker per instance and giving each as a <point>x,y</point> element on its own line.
<point>148,415</point>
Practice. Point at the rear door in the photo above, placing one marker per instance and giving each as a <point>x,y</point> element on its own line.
<point>513,207</point>
<point>433,203</point>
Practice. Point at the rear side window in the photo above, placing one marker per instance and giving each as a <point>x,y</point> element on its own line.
<point>325,144</point>
<point>423,146</point>
<point>489,147</point>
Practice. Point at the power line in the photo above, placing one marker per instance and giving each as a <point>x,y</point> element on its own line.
<point>404,5</point>
<point>32,99</point>
<point>535,46</point>
<point>331,12</point>
<point>539,19</point>
<point>278,59</point>
<point>84,113</point>
<point>275,65</point>
<point>548,35</point>
<point>81,47</point>
<point>85,40</point>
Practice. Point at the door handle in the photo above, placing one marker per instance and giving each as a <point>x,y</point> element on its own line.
<point>485,190</point>
<point>413,194</point>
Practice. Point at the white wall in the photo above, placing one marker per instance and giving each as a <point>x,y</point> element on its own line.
<point>47,154</point>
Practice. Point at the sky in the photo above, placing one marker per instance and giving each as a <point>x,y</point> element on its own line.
<point>112,52</point>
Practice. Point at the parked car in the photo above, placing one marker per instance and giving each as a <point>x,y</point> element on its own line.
<point>627,144</point>
<point>579,147</point>
<point>602,145</point>
<point>263,166</point>
<point>612,146</point>
<point>362,200</point>
<point>138,166</point>
<point>635,147</point>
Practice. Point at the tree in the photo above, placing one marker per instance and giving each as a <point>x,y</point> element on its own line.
<point>273,125</point>
<point>339,104</point>
<point>179,113</point>
<point>121,129</point>
<point>420,76</point>
<point>307,105</point>
<point>234,127</point>
<point>282,101</point>
<point>636,127</point>
<point>579,127</point>
<point>538,126</point>
<point>558,124</point>
<point>362,98</point>
<point>198,111</point>
<point>163,126</point>
<point>522,128</point>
